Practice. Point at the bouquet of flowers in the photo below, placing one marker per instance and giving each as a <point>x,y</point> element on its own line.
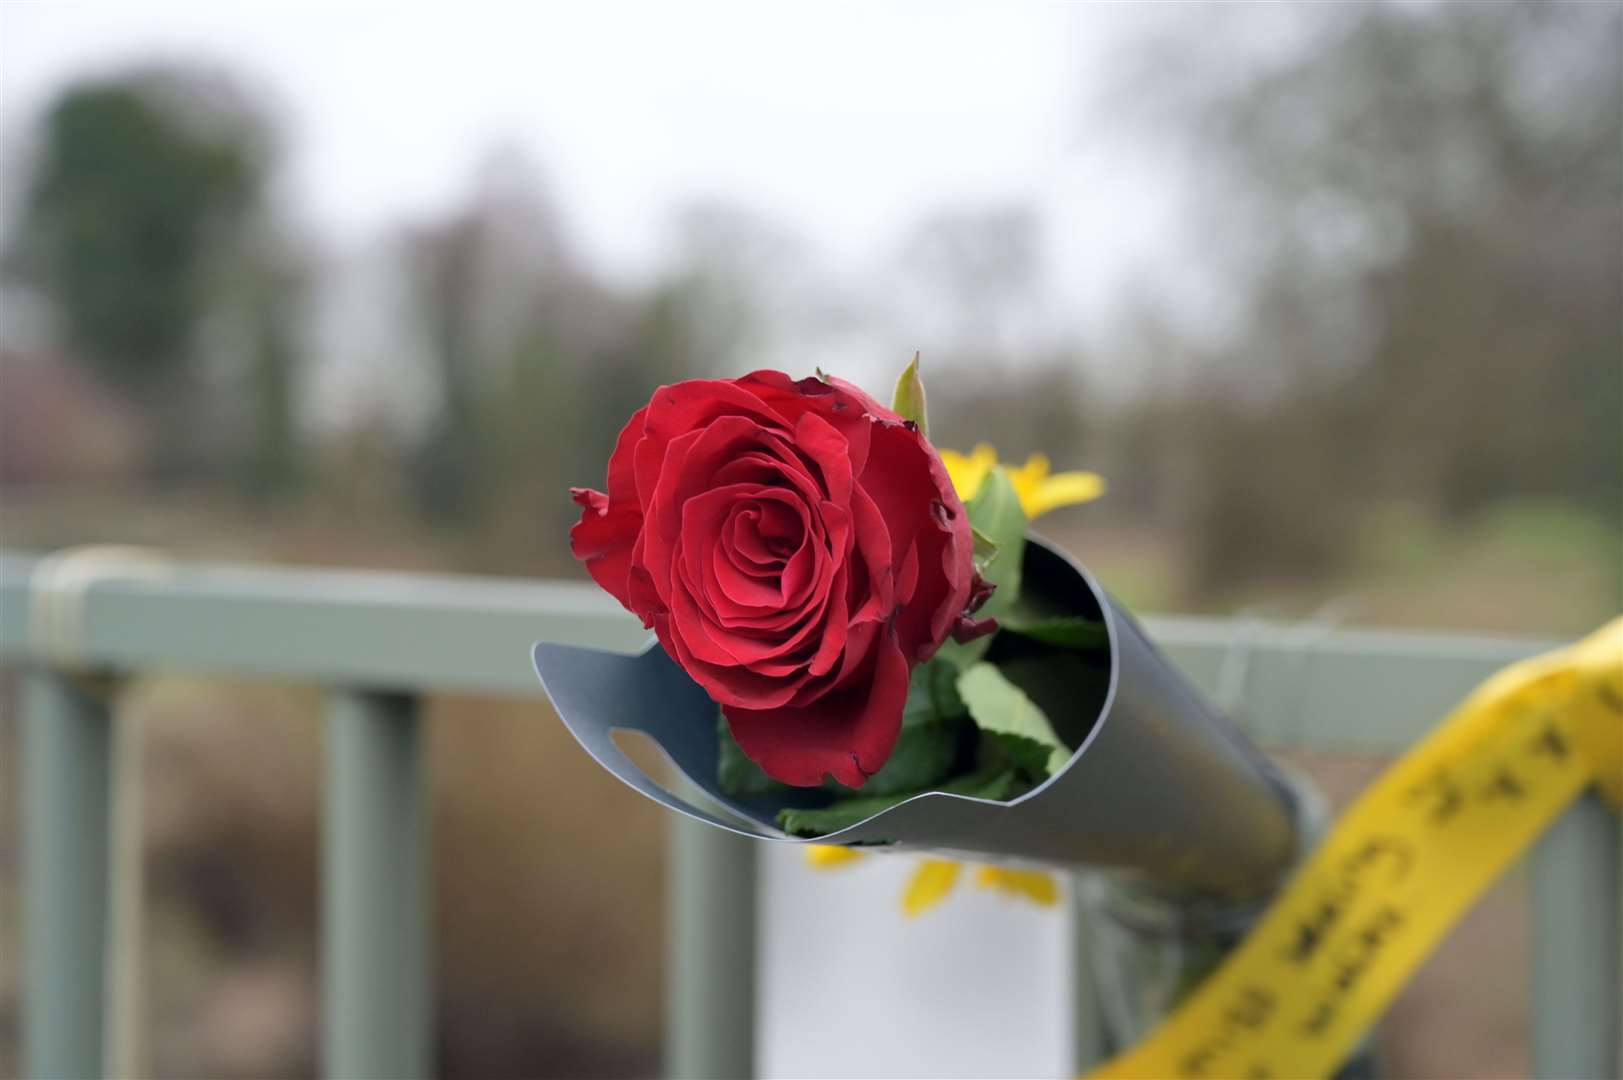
<point>859,642</point>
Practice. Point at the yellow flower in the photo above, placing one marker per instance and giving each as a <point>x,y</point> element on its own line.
<point>828,856</point>
<point>1040,490</point>
<point>967,471</point>
<point>1034,885</point>
<point>934,879</point>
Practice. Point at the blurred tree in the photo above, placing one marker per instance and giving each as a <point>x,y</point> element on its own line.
<point>569,392</point>
<point>139,178</point>
<point>1425,203</point>
<point>505,311</point>
<point>144,189</point>
<point>536,364</point>
<point>974,274</point>
<point>446,264</point>
<point>1044,410</point>
<point>967,289</point>
<point>276,295</point>
<point>747,283</point>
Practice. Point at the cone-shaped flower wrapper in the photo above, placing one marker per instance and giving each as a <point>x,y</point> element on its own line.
<point>1160,787</point>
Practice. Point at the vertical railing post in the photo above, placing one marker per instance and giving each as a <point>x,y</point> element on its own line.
<point>1578,944</point>
<point>710,974</point>
<point>66,780</point>
<point>375,951</point>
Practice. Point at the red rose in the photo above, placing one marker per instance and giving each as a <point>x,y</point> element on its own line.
<point>797,547</point>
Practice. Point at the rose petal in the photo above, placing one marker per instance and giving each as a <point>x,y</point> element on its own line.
<point>747,547</point>
<point>776,462</point>
<point>726,685</point>
<point>704,519</point>
<point>901,467</point>
<point>692,404</point>
<point>622,480</point>
<point>603,540</point>
<point>823,443</point>
<point>690,462</point>
<point>744,590</point>
<point>708,620</point>
<point>844,406</point>
<point>848,733</point>
<point>875,590</point>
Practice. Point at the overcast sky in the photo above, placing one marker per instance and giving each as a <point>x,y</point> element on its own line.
<point>843,121</point>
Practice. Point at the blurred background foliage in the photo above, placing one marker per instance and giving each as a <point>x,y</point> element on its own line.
<point>1404,408</point>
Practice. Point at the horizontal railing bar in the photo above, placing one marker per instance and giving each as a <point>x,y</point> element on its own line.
<point>362,629</point>
<point>1358,690</point>
<point>1372,691</point>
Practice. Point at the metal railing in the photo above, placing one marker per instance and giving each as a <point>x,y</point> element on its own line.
<point>381,641</point>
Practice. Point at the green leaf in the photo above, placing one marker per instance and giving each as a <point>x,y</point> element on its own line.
<point>1001,707</point>
<point>1066,631</point>
<point>846,812</point>
<point>1070,687</point>
<point>995,514</point>
<point>908,401</point>
<point>736,774</point>
<point>1030,757</point>
<point>932,694</point>
<point>990,783</point>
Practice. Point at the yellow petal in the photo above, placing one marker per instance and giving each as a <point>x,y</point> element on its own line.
<point>969,470</point>
<point>932,880</point>
<point>1032,473</point>
<point>829,856</point>
<point>1027,480</point>
<point>958,469</point>
<point>1034,885</point>
<point>1061,489</point>
<point>1039,490</point>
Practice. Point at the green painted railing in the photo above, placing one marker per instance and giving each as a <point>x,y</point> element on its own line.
<point>381,641</point>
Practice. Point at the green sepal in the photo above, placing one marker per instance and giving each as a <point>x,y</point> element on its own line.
<point>932,694</point>
<point>908,400</point>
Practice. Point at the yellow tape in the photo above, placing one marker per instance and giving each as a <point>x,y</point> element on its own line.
<point>1398,870</point>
